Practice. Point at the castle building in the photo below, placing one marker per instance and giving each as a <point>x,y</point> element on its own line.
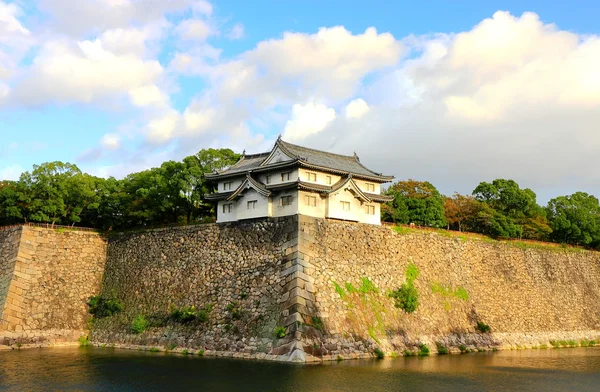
<point>291,180</point>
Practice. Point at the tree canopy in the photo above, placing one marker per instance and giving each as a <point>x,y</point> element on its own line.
<point>416,202</point>
<point>59,193</point>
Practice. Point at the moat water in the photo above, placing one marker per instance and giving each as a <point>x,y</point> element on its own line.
<point>103,369</point>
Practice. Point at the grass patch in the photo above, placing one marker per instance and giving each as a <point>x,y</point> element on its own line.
<point>200,353</point>
<point>408,353</point>
<point>378,353</point>
<point>139,324</point>
<point>339,289</point>
<point>187,314</point>
<point>463,349</point>
<point>154,350</point>
<point>170,346</point>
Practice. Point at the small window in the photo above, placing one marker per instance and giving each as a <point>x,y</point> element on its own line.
<point>370,187</point>
<point>311,201</point>
<point>370,210</point>
<point>226,208</point>
<point>268,179</point>
<point>227,186</point>
<point>285,176</point>
<point>328,180</point>
<point>285,201</point>
<point>252,204</point>
<point>311,177</point>
<point>345,205</point>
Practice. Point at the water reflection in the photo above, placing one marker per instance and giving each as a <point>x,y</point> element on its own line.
<point>95,369</point>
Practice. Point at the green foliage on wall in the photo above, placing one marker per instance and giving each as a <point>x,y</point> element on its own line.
<point>139,324</point>
<point>104,306</point>
<point>406,296</point>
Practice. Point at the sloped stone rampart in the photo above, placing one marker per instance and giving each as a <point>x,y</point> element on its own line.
<point>528,296</point>
<point>241,270</point>
<point>52,277</point>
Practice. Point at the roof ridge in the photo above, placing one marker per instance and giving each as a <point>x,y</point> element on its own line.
<point>314,149</point>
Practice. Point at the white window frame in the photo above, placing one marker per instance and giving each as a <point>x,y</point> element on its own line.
<point>370,187</point>
<point>344,205</point>
<point>310,176</point>
<point>369,209</point>
<point>251,204</point>
<point>310,201</point>
<point>285,201</point>
<point>227,185</point>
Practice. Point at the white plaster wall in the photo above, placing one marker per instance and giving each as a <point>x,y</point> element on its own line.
<point>319,211</point>
<point>371,219</point>
<point>278,210</point>
<point>227,217</point>
<point>321,177</point>
<point>235,182</point>
<point>363,186</point>
<point>262,205</point>
<point>276,176</point>
<point>335,206</point>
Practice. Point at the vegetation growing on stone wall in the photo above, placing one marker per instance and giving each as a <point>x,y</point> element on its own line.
<point>187,314</point>
<point>448,293</point>
<point>441,349</point>
<point>378,353</point>
<point>423,350</point>
<point>84,341</point>
<point>317,323</point>
<point>406,297</point>
<point>104,306</point>
<point>483,327</point>
<point>139,324</point>
<point>235,311</point>
<point>280,331</point>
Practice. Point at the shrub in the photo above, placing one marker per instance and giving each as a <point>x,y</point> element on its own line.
<point>378,353</point>
<point>462,348</point>
<point>555,343</point>
<point>279,331</point>
<point>408,353</point>
<point>482,327</point>
<point>441,349</point>
<point>184,314</point>
<point>84,341</point>
<point>104,307</point>
<point>200,353</point>
<point>423,350</point>
<point>154,350</point>
<point>139,324</point>
<point>170,347</point>
<point>406,298</point>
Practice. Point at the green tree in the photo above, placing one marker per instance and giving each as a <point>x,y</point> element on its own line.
<point>518,206</point>
<point>416,202</point>
<point>10,209</point>
<point>57,192</point>
<point>575,219</point>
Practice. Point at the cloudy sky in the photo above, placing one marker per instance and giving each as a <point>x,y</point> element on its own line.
<point>450,92</point>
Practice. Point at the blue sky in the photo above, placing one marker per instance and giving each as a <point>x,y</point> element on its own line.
<point>450,92</point>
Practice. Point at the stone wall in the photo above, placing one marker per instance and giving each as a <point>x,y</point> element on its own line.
<point>53,275</point>
<point>241,269</point>
<point>9,248</point>
<point>527,295</point>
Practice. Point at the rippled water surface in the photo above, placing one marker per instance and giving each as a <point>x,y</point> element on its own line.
<point>103,369</point>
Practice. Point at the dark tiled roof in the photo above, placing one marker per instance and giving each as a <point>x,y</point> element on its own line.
<point>246,163</point>
<point>342,163</point>
<point>306,157</point>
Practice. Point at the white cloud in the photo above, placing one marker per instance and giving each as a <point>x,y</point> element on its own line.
<point>195,29</point>
<point>148,95</point>
<point>12,172</point>
<point>513,98</point>
<point>85,72</point>
<point>236,32</point>
<point>161,129</point>
<point>357,108</point>
<point>307,120</point>
<point>111,141</point>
